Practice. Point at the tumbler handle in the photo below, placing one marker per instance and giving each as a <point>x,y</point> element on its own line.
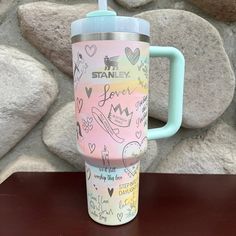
<point>176,88</point>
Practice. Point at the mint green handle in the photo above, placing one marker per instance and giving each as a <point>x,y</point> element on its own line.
<point>176,89</point>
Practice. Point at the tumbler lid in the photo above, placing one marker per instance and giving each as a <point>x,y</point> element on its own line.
<point>103,21</point>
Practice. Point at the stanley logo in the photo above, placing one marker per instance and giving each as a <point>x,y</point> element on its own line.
<point>111,70</point>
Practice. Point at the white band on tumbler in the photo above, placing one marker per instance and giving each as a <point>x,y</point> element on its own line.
<point>112,193</point>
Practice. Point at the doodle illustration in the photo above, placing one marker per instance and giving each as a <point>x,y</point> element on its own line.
<point>88,91</point>
<point>133,56</point>
<point>79,103</point>
<point>105,125</point>
<point>110,191</point>
<point>95,187</point>
<point>105,156</point>
<point>92,205</point>
<point>143,66</point>
<point>138,134</point>
<point>92,147</point>
<point>140,66</point>
<point>120,216</point>
<point>142,83</point>
<point>119,117</point>
<point>131,212</point>
<point>91,50</point>
<point>111,62</point>
<point>87,124</point>
<point>78,131</point>
<point>133,150</point>
<point>88,173</point>
<point>79,67</point>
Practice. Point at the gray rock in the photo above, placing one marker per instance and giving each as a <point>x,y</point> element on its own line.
<point>221,10</point>
<point>150,157</point>
<point>209,79</point>
<point>133,3</point>
<point>5,5</point>
<point>27,90</point>
<point>212,153</point>
<point>59,135</point>
<point>29,164</point>
<point>47,26</point>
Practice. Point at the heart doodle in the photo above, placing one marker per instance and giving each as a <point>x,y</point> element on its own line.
<point>90,50</point>
<point>133,57</point>
<point>120,216</point>
<point>88,172</point>
<point>88,91</point>
<point>131,153</point>
<point>92,147</point>
<point>110,191</point>
<point>79,103</point>
<point>90,119</point>
<point>138,134</point>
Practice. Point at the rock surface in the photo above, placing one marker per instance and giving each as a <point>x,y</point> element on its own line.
<point>47,26</point>
<point>221,10</point>
<point>133,3</point>
<point>209,79</point>
<point>27,90</point>
<point>29,163</point>
<point>5,5</point>
<point>212,153</point>
<point>59,134</point>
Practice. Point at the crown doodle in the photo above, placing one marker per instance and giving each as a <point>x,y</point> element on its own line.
<point>119,117</point>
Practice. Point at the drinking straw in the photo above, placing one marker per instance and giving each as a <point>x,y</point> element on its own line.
<point>102,5</point>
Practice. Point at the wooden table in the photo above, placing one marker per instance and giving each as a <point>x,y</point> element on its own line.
<point>49,204</point>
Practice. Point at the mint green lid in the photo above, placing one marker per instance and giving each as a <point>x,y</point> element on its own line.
<point>102,21</point>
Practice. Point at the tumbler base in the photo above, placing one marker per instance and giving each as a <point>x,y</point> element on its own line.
<point>112,193</point>
<point>114,224</point>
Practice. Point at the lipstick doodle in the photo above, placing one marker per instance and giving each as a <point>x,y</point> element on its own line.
<point>105,156</point>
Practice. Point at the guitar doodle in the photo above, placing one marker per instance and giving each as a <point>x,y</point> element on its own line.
<point>105,125</point>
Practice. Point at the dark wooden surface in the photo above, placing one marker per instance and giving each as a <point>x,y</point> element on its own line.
<point>51,204</point>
